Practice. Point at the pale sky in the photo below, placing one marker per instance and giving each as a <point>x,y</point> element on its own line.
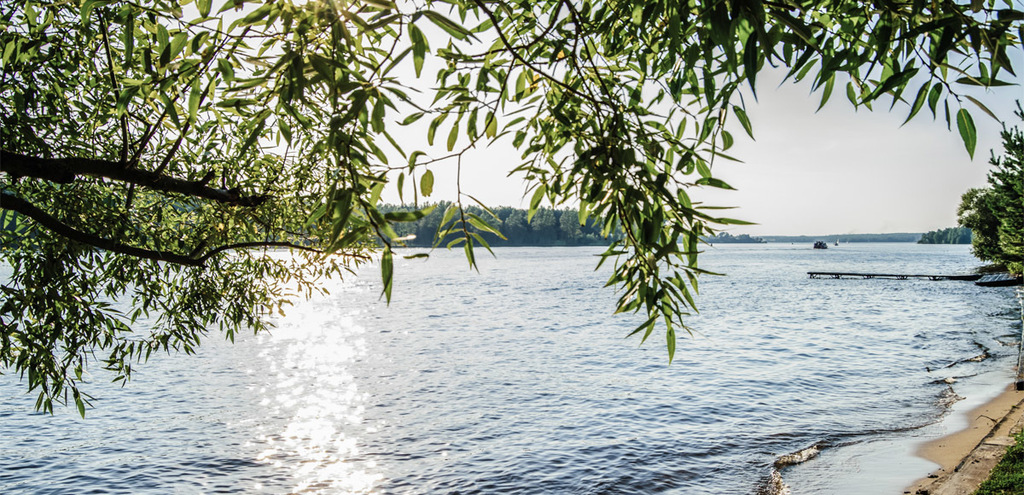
<point>837,171</point>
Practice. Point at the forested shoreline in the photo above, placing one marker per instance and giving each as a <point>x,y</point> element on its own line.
<point>548,227</point>
<point>561,227</point>
<point>952,235</point>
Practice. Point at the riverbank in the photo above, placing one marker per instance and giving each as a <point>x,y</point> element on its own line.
<point>967,456</point>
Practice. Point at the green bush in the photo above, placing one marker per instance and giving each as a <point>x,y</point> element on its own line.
<point>1007,477</point>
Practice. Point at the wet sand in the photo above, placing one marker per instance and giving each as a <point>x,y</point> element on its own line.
<point>890,463</point>
<point>967,456</point>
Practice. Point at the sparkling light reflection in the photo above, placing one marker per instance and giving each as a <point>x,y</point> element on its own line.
<point>311,389</point>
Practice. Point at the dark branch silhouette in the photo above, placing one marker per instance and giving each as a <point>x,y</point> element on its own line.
<point>67,170</point>
<point>11,202</point>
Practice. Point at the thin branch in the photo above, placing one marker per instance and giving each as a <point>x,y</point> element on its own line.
<point>541,36</point>
<point>67,170</point>
<point>117,92</point>
<point>526,63</point>
<point>242,245</point>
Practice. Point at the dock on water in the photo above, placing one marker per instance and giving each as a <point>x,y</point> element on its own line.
<point>897,276</point>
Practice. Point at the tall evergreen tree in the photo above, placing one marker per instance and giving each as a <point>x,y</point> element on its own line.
<point>996,214</point>
<point>1007,180</point>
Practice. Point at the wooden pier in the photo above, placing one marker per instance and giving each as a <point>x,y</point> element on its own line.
<point>897,276</point>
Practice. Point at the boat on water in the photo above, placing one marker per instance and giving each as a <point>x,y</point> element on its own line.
<point>820,245</point>
<point>999,280</point>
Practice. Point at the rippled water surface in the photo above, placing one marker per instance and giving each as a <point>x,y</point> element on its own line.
<point>518,380</point>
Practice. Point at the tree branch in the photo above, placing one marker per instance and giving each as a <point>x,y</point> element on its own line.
<point>14,203</point>
<point>66,170</point>
<point>116,90</point>
<point>242,245</point>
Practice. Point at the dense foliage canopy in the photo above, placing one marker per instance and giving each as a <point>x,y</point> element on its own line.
<point>153,149</point>
<point>952,235</point>
<point>996,213</point>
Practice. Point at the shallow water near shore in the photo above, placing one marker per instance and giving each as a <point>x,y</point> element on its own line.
<point>518,379</point>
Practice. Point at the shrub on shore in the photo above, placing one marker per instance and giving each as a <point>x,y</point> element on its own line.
<point>1008,476</point>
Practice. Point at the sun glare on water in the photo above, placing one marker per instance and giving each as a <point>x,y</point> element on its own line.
<point>312,390</point>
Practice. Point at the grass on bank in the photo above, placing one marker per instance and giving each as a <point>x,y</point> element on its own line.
<point>1007,477</point>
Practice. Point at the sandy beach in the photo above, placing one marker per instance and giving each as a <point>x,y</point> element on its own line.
<point>967,456</point>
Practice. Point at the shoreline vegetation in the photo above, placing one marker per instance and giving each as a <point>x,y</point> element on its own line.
<point>952,235</point>
<point>562,227</point>
<point>995,214</point>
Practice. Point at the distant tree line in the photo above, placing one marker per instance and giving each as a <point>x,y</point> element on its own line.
<point>727,238</point>
<point>844,238</point>
<point>996,213</point>
<point>548,227</point>
<point>952,235</point>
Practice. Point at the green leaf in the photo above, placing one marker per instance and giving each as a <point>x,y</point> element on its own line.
<point>482,224</point>
<point>432,129</point>
<point>670,340</point>
<point>257,15</point>
<point>520,85</point>
<point>933,98</point>
<point>387,272</point>
<point>713,182</point>
<point>535,201</point>
<point>492,125</point>
<point>253,137</point>
<point>129,41</point>
<point>827,92</point>
<point>851,93</point>
<point>193,103</point>
<point>918,102</point>
<point>968,133</point>
<point>453,136</point>
<point>413,118</point>
<point>427,183</point>
<point>124,99</point>
<point>227,71</point>
<point>702,168</point>
<point>733,221</point>
<point>744,121</point>
<point>449,213</point>
<point>341,209</point>
<point>377,119</point>
<point>982,107</point>
<point>204,7</point>
<point>400,186</point>
<point>79,403</point>
<point>87,7</point>
<point>750,60</point>
<point>419,47</point>
<point>470,257</point>
<point>447,25</point>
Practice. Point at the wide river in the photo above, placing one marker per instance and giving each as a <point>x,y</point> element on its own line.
<point>518,379</point>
